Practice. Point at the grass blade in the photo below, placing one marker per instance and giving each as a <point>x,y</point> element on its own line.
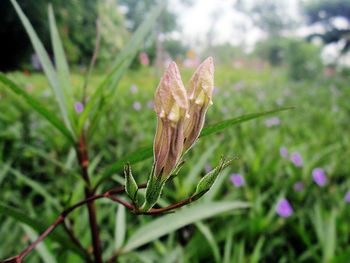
<point>169,223</point>
<point>38,227</point>
<point>211,240</point>
<point>61,62</point>
<point>36,105</point>
<point>45,62</point>
<point>42,250</point>
<point>217,127</point>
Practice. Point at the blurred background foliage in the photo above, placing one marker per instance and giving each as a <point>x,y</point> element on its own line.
<point>38,171</point>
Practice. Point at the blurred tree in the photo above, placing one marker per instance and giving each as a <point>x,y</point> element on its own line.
<point>76,22</point>
<point>270,15</point>
<point>328,14</point>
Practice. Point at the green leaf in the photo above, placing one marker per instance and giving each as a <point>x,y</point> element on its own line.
<point>45,62</point>
<point>36,105</point>
<point>207,233</point>
<point>146,153</point>
<point>37,187</point>
<point>39,227</point>
<point>61,63</point>
<point>41,248</point>
<point>169,223</point>
<point>131,187</point>
<point>120,227</point>
<point>120,65</point>
<point>217,127</point>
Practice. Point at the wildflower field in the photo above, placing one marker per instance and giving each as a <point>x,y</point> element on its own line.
<point>291,168</point>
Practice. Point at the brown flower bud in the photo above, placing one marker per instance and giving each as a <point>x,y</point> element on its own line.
<point>171,106</point>
<point>199,93</point>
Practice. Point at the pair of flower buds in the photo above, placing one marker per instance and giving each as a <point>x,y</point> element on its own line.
<point>181,114</point>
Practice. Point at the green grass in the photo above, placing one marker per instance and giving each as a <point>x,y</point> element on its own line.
<point>318,129</point>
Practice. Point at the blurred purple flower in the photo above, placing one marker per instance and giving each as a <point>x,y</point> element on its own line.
<point>207,168</point>
<point>137,106</point>
<point>226,94</point>
<point>78,106</point>
<point>224,109</point>
<point>296,159</point>
<point>274,121</point>
<point>237,180</point>
<point>150,104</point>
<point>133,88</point>
<point>216,90</point>
<point>239,85</point>
<point>347,197</point>
<point>319,176</point>
<point>283,208</point>
<point>284,152</point>
<point>298,186</point>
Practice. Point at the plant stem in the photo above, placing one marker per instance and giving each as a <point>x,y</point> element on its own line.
<point>84,164</point>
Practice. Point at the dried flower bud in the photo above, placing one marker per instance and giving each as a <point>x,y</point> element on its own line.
<point>199,93</point>
<point>171,106</point>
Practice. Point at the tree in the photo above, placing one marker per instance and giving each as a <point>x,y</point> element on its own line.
<point>326,13</point>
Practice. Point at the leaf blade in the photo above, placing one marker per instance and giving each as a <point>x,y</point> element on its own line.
<point>37,106</point>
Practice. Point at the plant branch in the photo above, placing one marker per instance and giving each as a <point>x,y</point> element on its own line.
<point>60,219</point>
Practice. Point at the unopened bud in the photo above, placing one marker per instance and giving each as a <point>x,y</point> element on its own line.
<point>171,106</point>
<point>199,93</point>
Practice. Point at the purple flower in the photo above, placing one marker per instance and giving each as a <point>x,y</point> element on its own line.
<point>283,208</point>
<point>347,197</point>
<point>284,152</point>
<point>319,176</point>
<point>296,159</point>
<point>137,106</point>
<point>237,180</point>
<point>133,89</point>
<point>150,104</point>
<point>78,106</point>
<point>298,186</point>
<point>274,121</point>
<point>207,168</point>
<point>216,90</point>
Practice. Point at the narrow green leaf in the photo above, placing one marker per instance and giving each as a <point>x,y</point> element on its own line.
<point>36,105</point>
<point>37,187</point>
<point>61,63</point>
<point>45,62</point>
<point>205,230</point>
<point>120,227</point>
<point>42,250</point>
<point>39,227</point>
<point>169,223</point>
<point>217,127</point>
<point>121,64</point>
<point>146,153</point>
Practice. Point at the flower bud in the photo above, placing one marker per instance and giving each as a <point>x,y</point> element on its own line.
<point>199,93</point>
<point>171,106</point>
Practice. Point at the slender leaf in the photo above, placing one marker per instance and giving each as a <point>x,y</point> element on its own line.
<point>61,62</point>
<point>37,187</point>
<point>146,153</point>
<point>39,227</point>
<point>120,227</point>
<point>217,127</point>
<point>42,250</point>
<point>45,62</point>
<point>36,105</point>
<point>169,223</point>
<point>205,230</point>
<point>121,64</point>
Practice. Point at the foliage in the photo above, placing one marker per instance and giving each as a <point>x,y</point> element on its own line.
<point>326,13</point>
